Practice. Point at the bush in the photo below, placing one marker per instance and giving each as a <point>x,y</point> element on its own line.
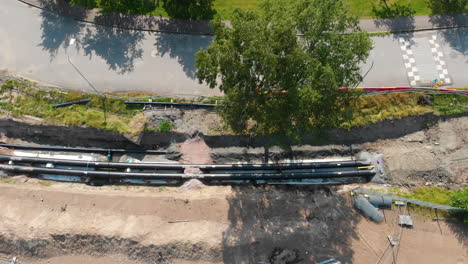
<point>165,126</point>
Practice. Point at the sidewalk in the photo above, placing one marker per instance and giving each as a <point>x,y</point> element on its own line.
<point>203,27</point>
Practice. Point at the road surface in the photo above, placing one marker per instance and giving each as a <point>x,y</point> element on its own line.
<point>35,45</point>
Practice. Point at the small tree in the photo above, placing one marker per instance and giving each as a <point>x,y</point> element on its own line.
<point>276,82</point>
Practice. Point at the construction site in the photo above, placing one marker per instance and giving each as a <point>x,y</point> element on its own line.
<point>92,197</point>
<point>233,131</point>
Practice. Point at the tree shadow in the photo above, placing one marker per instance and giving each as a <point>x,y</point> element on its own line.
<point>310,224</point>
<point>182,48</point>
<point>118,47</point>
<point>190,9</point>
<point>457,37</point>
<point>393,10</point>
<point>447,6</point>
<point>127,6</point>
<point>395,17</point>
<point>459,229</point>
<point>57,30</point>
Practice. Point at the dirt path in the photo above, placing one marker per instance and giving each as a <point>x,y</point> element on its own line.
<point>124,225</point>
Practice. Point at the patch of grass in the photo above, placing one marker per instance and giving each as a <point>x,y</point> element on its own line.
<point>372,109</point>
<point>165,126</point>
<point>449,104</point>
<point>44,183</point>
<point>22,99</point>
<point>224,8</point>
<point>380,33</point>
<point>436,195</point>
<point>6,180</point>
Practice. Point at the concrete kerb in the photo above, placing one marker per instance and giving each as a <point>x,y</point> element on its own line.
<point>182,26</point>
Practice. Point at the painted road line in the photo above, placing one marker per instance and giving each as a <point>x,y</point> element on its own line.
<point>441,66</point>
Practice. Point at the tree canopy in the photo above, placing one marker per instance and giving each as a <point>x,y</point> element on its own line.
<point>280,68</point>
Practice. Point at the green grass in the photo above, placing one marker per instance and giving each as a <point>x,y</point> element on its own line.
<point>21,99</point>
<point>449,105</point>
<point>44,183</point>
<point>372,109</point>
<point>6,180</point>
<point>436,195</point>
<point>165,126</point>
<point>224,8</point>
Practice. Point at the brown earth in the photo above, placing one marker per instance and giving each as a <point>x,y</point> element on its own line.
<point>83,224</point>
<point>74,223</point>
<point>435,156</point>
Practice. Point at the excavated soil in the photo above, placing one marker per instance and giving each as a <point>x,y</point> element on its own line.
<point>83,224</point>
<point>435,156</point>
<point>75,223</point>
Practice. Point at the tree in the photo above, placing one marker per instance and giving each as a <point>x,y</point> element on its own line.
<point>276,82</point>
<point>447,6</point>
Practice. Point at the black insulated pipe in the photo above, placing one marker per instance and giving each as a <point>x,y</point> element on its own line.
<point>93,174</point>
<point>174,104</point>
<point>92,164</point>
<point>85,101</point>
<point>286,166</point>
<point>288,176</point>
<point>206,177</point>
<point>203,167</point>
<point>88,150</point>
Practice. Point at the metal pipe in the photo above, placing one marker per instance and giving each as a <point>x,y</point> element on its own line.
<point>203,167</point>
<point>287,176</point>
<point>93,164</point>
<point>286,166</point>
<point>174,104</point>
<point>85,101</point>
<point>146,175</point>
<point>94,174</point>
<point>90,150</point>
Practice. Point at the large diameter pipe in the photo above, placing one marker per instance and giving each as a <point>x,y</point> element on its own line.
<point>286,166</point>
<point>206,168</point>
<point>146,175</point>
<point>92,164</point>
<point>93,174</point>
<point>288,176</point>
<point>368,209</point>
<point>89,150</point>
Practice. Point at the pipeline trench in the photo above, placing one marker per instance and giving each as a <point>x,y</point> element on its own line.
<point>175,174</point>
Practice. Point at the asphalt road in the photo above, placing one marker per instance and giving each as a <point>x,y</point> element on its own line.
<point>35,44</point>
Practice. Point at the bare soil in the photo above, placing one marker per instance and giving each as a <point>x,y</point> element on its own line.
<point>74,223</point>
<point>70,223</point>
<point>435,156</point>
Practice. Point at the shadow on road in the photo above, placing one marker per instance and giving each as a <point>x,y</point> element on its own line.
<point>297,224</point>
<point>57,30</point>
<point>182,48</point>
<point>457,38</point>
<point>118,47</point>
<point>395,17</point>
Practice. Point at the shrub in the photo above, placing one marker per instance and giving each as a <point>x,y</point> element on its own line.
<point>165,126</point>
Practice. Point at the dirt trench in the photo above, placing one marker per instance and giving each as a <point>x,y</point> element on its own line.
<point>95,245</point>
